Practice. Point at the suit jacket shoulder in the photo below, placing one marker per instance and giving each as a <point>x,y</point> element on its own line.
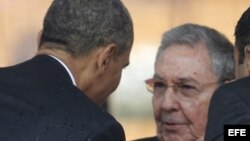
<point>39,102</point>
<point>230,104</point>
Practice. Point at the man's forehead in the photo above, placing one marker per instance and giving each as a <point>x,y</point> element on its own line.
<point>190,74</point>
<point>182,58</point>
<point>184,51</point>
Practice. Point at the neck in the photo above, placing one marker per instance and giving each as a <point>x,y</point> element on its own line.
<point>71,62</point>
<point>82,68</point>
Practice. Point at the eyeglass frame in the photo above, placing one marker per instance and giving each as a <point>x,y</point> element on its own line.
<point>176,87</point>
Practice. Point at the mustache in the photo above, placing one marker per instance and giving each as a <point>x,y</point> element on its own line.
<point>172,119</point>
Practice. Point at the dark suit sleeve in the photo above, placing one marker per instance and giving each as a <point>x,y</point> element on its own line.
<point>214,128</point>
<point>227,106</point>
<point>112,131</point>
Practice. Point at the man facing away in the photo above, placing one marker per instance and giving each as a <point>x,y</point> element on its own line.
<point>57,95</point>
<point>192,61</point>
<point>230,103</point>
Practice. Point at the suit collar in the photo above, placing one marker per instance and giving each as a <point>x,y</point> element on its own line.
<point>51,66</point>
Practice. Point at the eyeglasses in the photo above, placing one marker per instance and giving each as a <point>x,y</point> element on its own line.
<point>159,87</point>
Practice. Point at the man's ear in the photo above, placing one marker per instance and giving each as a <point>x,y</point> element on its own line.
<point>106,55</point>
<point>247,58</point>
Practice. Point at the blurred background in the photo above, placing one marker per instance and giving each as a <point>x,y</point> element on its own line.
<point>21,20</point>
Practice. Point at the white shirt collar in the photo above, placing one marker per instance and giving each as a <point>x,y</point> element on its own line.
<point>67,69</point>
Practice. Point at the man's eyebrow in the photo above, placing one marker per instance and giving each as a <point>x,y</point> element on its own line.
<point>187,79</point>
<point>156,76</point>
<point>180,79</point>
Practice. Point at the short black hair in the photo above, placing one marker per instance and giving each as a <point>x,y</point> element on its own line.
<point>80,26</point>
<point>242,34</point>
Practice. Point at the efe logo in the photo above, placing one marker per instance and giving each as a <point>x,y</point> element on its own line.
<point>236,132</point>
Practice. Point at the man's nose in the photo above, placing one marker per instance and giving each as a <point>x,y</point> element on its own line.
<point>169,100</point>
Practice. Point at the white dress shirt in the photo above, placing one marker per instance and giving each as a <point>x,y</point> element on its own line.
<point>67,69</point>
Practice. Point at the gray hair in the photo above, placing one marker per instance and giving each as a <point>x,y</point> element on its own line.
<point>80,26</point>
<point>220,50</point>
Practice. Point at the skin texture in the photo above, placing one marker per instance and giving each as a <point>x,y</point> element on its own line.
<point>181,117</point>
<point>110,72</point>
<point>97,74</point>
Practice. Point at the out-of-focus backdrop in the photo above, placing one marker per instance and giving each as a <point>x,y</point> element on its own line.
<point>21,20</point>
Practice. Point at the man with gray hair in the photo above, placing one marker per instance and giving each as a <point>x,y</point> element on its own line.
<point>192,61</point>
<point>57,95</point>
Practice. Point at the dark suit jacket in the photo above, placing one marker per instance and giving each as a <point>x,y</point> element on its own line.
<point>38,102</point>
<point>148,139</point>
<point>230,104</point>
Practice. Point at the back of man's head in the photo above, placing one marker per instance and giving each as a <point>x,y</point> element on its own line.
<point>242,34</point>
<point>80,26</point>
